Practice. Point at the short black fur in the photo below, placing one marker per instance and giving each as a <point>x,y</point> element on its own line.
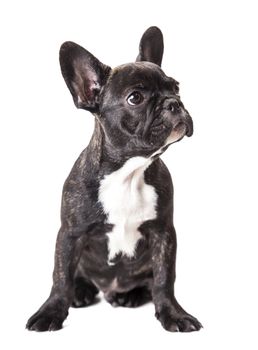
<point>123,131</point>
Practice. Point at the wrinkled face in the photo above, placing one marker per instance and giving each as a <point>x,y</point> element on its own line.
<point>138,106</point>
<point>141,111</point>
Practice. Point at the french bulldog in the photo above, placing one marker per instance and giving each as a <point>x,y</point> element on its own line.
<point>117,234</point>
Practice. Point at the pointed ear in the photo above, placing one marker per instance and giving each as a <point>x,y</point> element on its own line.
<point>151,46</point>
<point>84,75</point>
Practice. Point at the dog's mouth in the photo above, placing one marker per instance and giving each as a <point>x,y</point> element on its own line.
<point>177,133</point>
<point>170,114</point>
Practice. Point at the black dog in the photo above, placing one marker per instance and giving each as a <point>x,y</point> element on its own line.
<point>117,233</point>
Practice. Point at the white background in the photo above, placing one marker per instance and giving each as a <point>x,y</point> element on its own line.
<point>211,48</point>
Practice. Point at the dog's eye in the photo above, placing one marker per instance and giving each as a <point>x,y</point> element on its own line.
<point>135,98</point>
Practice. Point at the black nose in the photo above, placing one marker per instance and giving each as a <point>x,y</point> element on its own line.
<point>173,105</point>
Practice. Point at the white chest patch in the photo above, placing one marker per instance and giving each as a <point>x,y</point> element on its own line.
<point>128,201</point>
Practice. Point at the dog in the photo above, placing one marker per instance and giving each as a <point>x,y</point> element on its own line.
<point>117,234</point>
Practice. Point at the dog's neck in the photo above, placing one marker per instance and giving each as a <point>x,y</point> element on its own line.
<point>106,158</point>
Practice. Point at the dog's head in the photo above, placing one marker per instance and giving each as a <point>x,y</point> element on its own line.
<point>137,105</point>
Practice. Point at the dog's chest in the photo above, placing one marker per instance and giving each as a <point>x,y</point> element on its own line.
<point>128,201</point>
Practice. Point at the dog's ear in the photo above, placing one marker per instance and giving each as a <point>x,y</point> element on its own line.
<point>84,75</point>
<point>151,46</point>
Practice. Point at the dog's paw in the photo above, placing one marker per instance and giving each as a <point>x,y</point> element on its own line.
<point>179,322</point>
<point>85,293</point>
<point>134,298</point>
<point>48,318</point>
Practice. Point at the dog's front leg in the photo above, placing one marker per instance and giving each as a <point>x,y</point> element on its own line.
<point>171,315</point>
<point>53,312</point>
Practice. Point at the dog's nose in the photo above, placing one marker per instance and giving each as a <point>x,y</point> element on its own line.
<point>173,105</point>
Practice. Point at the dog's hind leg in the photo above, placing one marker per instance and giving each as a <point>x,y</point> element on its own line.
<point>133,298</point>
<point>84,292</point>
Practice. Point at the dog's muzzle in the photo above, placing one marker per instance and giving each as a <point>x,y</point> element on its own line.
<point>179,116</point>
